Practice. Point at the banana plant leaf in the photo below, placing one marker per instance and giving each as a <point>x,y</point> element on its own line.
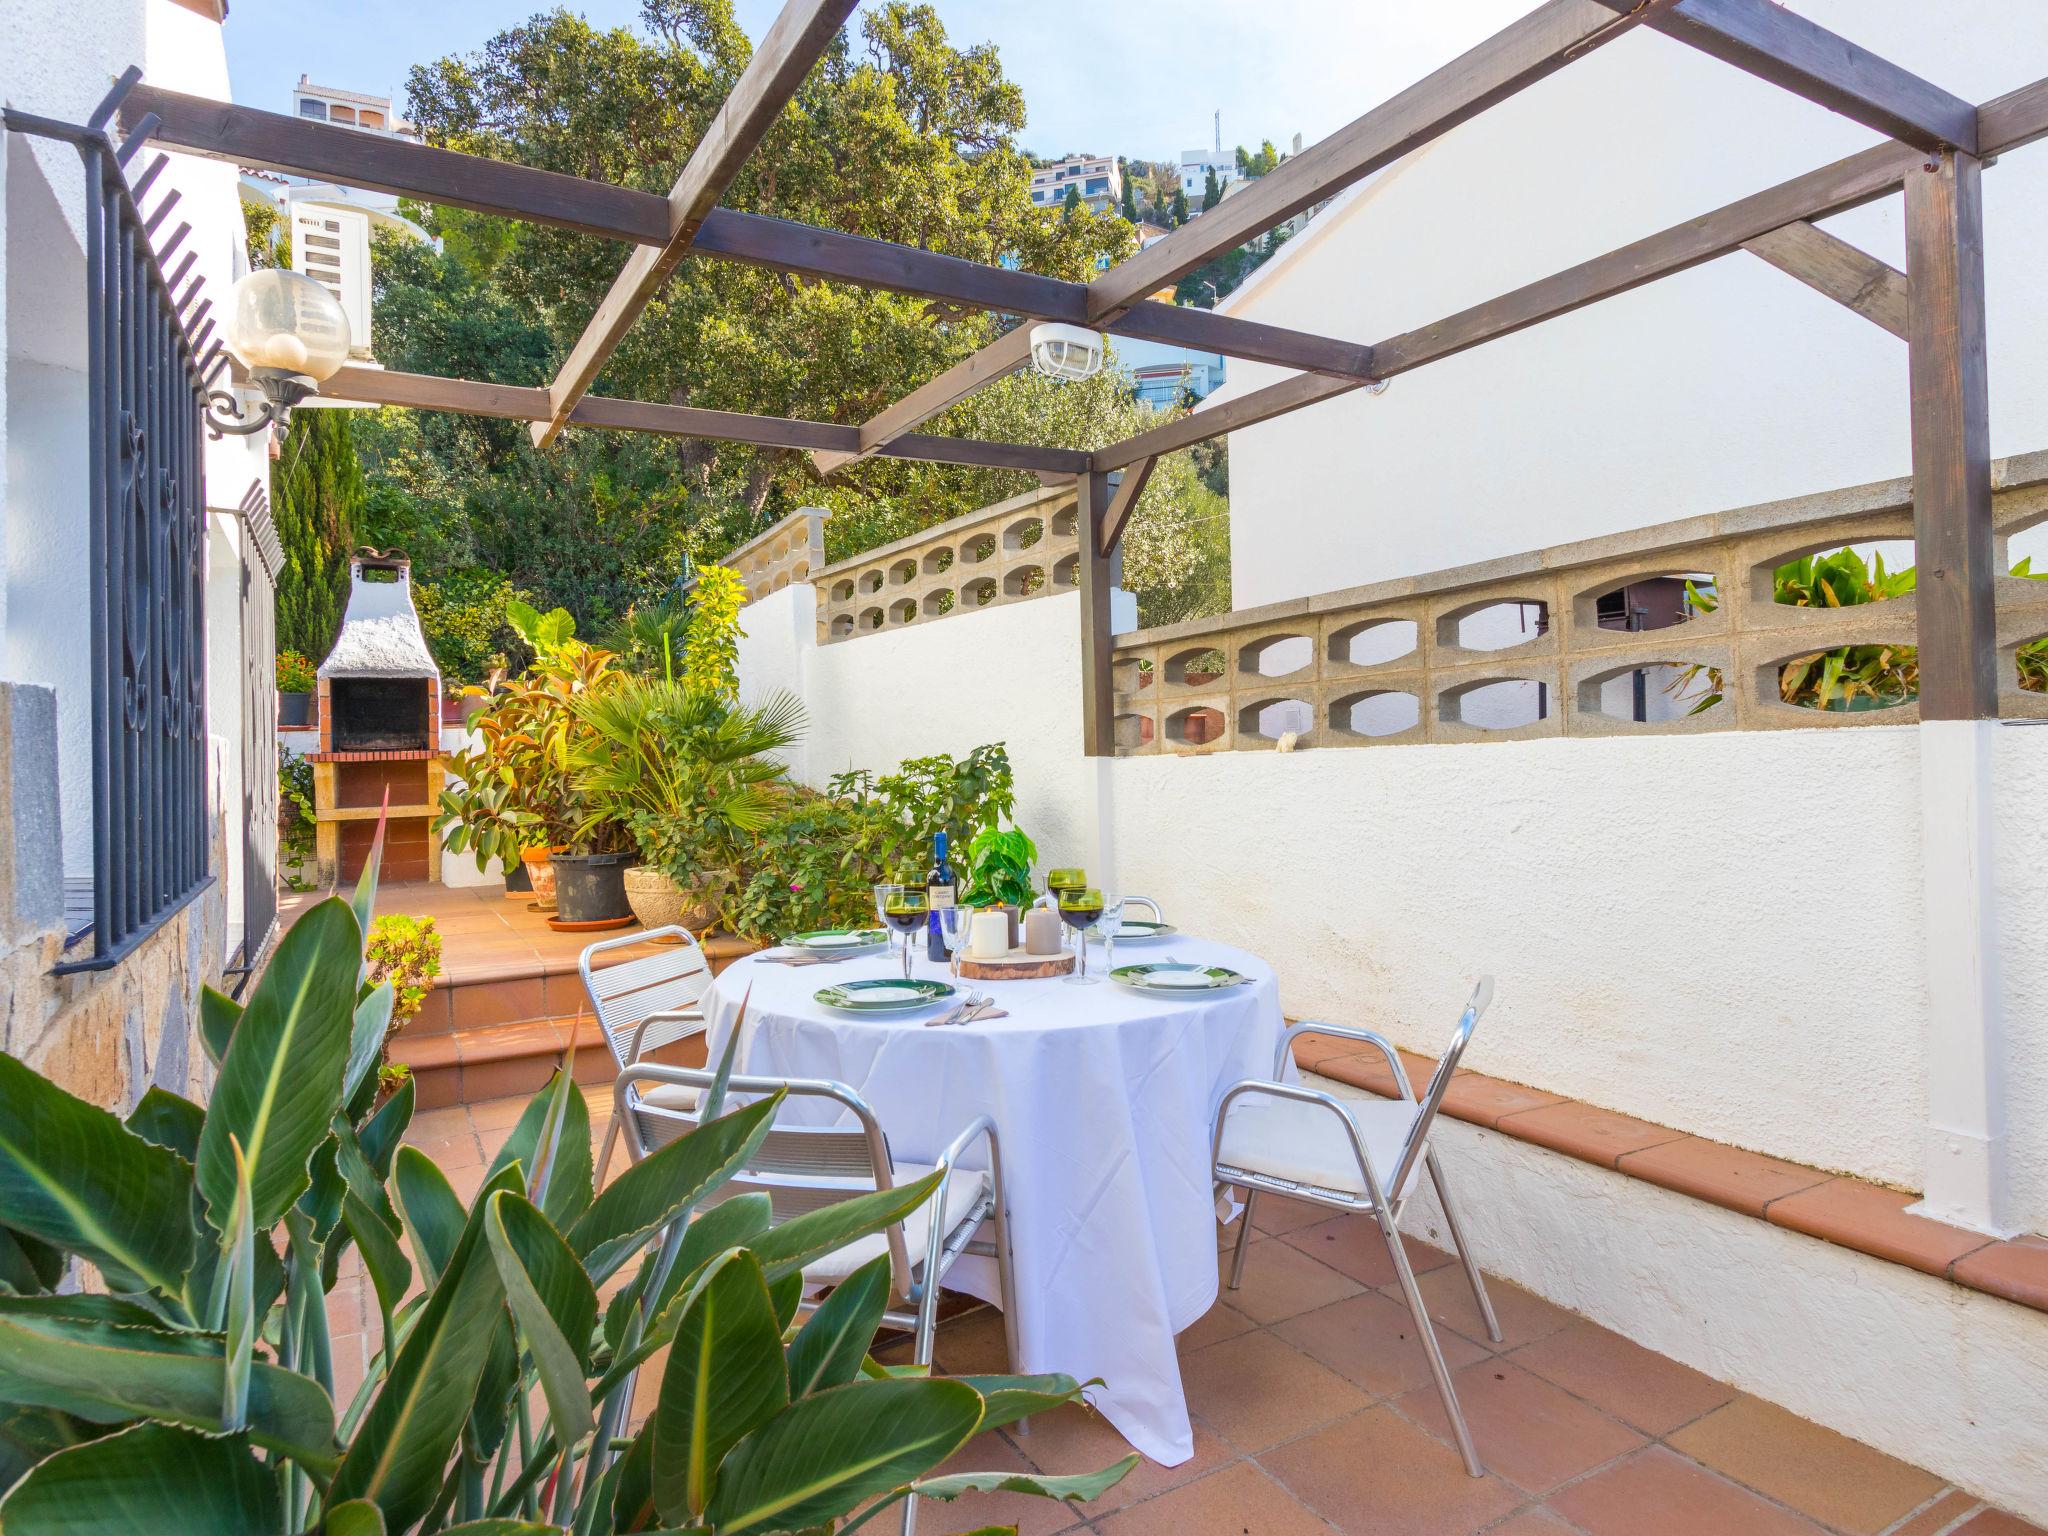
<point>280,1082</point>
<point>569,1179</point>
<point>1078,1488</point>
<point>828,1350</point>
<point>74,1177</point>
<point>725,1377</point>
<point>553,1302</point>
<point>819,1458</point>
<point>153,1478</point>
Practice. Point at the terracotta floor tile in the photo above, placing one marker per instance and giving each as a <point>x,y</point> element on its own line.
<point>1873,1220</point>
<point>1376,1474</point>
<point>516,1075</point>
<point>1530,1432</point>
<point>1937,1517</point>
<point>427,1124</point>
<point>1352,1246</point>
<point>1711,1170</point>
<point>1524,1317</point>
<point>1655,1493</point>
<point>1241,1500</point>
<point>1078,1439</point>
<point>973,1345</point>
<point>1280,1282</point>
<point>1371,1341</point>
<point>1828,1476</point>
<point>2016,1270</point>
<point>1220,1322</point>
<point>1995,1522</point>
<point>489,1115</point>
<point>504,1042</point>
<point>458,1149</point>
<point>1532,1522</point>
<point>1255,1391</point>
<point>1584,1131</point>
<point>1031,1516</point>
<point>1276,1214</point>
<point>1637,1385</point>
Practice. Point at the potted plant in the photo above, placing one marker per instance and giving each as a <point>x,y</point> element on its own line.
<point>296,682</point>
<point>480,814</point>
<point>999,861</point>
<point>685,775</point>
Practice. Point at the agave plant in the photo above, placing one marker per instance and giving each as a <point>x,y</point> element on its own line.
<point>192,1393</point>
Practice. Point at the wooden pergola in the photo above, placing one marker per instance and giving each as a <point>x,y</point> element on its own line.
<point>1937,145</point>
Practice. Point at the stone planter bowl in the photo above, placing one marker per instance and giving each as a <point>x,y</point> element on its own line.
<point>658,902</point>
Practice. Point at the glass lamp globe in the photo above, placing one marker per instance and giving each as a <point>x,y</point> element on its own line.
<point>287,323</point>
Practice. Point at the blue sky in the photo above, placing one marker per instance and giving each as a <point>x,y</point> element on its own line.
<point>1123,78</point>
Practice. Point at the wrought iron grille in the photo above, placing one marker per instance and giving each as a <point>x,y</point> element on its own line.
<point>147,385</point>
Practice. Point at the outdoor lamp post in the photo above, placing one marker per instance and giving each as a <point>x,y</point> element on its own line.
<point>291,334</point>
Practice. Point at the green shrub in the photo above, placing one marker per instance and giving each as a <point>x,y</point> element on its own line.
<point>295,674</point>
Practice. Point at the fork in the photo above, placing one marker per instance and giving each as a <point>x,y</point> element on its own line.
<point>968,1008</point>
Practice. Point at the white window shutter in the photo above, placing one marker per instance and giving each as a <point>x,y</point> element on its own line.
<point>332,246</point>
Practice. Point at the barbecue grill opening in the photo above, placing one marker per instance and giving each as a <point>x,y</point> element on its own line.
<point>379,714</point>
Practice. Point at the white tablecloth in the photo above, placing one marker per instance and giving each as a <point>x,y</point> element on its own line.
<point>1103,1098</point>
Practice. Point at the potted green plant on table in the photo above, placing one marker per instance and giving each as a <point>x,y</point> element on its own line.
<point>689,778</point>
<point>999,863</point>
<point>296,684</point>
<point>194,1388</point>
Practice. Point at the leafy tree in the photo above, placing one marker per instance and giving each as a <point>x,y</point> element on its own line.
<point>1212,193</point>
<point>1070,205</point>
<point>317,497</point>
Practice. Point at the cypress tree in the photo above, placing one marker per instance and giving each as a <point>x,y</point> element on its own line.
<point>1130,200</point>
<point>317,496</point>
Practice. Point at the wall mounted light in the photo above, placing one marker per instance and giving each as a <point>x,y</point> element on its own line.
<point>291,335</point>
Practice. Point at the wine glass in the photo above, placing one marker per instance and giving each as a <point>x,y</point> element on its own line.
<point>954,923</point>
<point>1080,910</point>
<point>1110,925</point>
<point>904,908</point>
<point>1060,881</point>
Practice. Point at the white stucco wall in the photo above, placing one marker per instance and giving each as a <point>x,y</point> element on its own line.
<point>59,62</point>
<point>1721,933</point>
<point>1725,386</point>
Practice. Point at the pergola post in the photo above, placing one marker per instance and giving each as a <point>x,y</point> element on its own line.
<point>1965,1160</point>
<point>1097,576</point>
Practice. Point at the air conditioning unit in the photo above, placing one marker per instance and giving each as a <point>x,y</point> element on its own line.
<point>332,246</point>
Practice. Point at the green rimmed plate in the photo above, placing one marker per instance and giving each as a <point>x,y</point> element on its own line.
<point>884,994</point>
<point>1172,976</point>
<point>1136,930</point>
<point>839,940</point>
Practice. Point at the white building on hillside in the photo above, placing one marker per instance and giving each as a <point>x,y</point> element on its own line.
<point>1722,387</point>
<point>1095,178</point>
<point>1197,165</point>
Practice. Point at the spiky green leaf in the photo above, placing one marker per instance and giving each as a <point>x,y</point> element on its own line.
<point>155,1478</point>
<point>725,1376</point>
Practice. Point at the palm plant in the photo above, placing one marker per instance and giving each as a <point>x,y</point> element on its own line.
<point>689,774</point>
<point>195,1394</point>
<point>651,640</point>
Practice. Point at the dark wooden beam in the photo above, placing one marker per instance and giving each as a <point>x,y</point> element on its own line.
<point>1130,486</point>
<point>360,385</point>
<point>802,31</point>
<point>1200,425</point>
<point>1951,442</point>
<point>295,146</point>
<point>272,141</point>
<point>1097,577</point>
<point>1783,47</point>
<point>1874,289</point>
<point>994,361</point>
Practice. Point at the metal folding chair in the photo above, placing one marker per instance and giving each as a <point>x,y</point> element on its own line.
<point>1353,1155</point>
<point>805,1168</point>
<point>645,1004</point>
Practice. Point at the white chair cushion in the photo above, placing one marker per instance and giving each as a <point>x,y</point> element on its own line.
<point>1306,1144</point>
<point>964,1194</point>
<point>679,1098</point>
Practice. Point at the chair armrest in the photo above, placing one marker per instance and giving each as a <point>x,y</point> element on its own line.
<point>979,1129</point>
<point>1346,1032</point>
<point>692,1014</point>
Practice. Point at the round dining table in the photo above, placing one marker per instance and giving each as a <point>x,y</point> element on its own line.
<point>1103,1098</point>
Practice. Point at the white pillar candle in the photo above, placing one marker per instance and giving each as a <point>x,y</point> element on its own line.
<point>988,936</point>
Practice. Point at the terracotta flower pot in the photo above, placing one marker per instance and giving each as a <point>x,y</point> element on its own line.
<point>658,902</point>
<point>540,872</point>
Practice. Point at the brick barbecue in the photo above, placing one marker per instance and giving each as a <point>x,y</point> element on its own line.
<point>380,712</point>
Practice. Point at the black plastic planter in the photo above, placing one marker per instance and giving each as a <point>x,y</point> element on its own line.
<point>591,887</point>
<point>294,710</point>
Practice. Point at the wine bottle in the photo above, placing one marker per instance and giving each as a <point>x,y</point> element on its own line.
<point>939,892</point>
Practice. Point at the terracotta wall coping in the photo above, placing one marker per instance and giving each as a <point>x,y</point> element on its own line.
<point>1853,1213</point>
